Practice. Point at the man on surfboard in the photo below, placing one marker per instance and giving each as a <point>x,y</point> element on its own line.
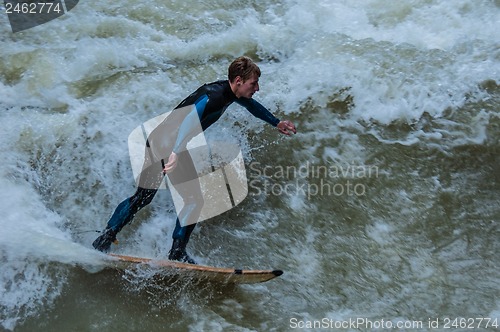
<point>166,152</point>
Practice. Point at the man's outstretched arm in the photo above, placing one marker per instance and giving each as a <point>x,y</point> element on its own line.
<point>285,127</point>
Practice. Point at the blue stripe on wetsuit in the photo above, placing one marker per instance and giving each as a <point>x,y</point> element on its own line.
<point>191,123</point>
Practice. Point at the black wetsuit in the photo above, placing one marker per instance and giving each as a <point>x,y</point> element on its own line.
<point>210,101</point>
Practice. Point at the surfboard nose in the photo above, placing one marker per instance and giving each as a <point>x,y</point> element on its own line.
<point>277,272</point>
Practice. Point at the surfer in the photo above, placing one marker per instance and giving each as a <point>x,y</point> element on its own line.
<point>194,114</point>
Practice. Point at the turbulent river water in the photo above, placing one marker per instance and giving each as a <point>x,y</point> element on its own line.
<point>383,210</point>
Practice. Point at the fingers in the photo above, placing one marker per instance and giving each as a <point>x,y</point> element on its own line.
<point>286,127</point>
<point>171,163</point>
<point>291,127</point>
<point>169,168</point>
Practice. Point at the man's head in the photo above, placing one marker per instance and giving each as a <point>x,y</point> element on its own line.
<point>243,75</point>
<point>243,67</point>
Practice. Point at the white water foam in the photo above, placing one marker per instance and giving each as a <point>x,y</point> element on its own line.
<point>31,242</point>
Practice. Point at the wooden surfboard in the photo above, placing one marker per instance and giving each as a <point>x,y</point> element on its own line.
<point>225,275</point>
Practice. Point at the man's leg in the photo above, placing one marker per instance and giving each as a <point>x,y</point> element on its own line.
<point>123,215</point>
<point>185,180</point>
<point>181,235</point>
<point>150,179</point>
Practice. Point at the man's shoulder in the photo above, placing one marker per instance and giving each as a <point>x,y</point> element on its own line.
<point>218,84</point>
<point>215,90</point>
<point>218,89</point>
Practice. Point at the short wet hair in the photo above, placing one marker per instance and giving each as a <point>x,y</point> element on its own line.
<point>243,67</point>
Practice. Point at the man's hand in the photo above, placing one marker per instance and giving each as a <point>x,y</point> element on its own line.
<point>171,164</point>
<point>286,127</point>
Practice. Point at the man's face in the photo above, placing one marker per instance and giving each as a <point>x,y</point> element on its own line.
<point>249,87</point>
